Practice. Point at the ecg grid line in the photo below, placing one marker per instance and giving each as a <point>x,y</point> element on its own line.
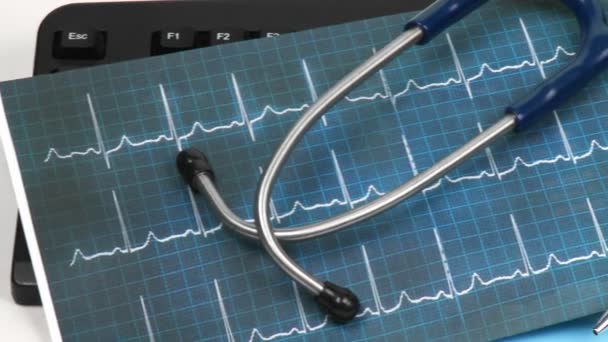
<point>449,286</point>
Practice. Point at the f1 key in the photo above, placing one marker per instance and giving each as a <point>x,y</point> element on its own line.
<point>173,40</point>
<point>79,44</point>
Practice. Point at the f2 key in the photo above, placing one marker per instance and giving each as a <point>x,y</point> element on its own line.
<point>227,36</point>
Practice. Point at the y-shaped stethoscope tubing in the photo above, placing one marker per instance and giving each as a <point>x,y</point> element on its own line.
<point>340,303</point>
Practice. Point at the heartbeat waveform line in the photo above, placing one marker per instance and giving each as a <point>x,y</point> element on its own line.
<point>517,162</point>
<point>461,75</point>
<point>410,156</point>
<point>388,92</point>
<point>305,327</point>
<point>522,248</point>
<point>223,311</point>
<point>597,227</point>
<point>564,136</point>
<point>343,187</point>
<point>274,214</point>
<point>123,226</point>
<point>532,49</point>
<point>311,87</point>
<point>490,156</point>
<point>100,145</point>
<point>169,115</point>
<point>446,266</point>
<point>346,199</point>
<point>378,308</point>
<point>147,320</point>
<point>241,103</point>
<point>541,70</point>
<point>248,123</point>
<point>485,67</point>
<point>128,249</point>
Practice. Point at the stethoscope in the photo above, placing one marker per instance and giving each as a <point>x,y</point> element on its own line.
<point>340,303</point>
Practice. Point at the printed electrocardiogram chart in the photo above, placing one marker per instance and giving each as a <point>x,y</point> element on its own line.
<point>511,241</point>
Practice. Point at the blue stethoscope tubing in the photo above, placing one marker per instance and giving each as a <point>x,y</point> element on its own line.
<point>341,304</point>
<point>591,59</point>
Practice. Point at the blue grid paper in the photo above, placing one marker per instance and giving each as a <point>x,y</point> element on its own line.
<point>520,226</point>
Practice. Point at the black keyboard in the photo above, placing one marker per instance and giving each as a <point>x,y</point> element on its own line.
<point>81,35</point>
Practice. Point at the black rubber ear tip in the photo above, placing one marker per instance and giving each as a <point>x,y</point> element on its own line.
<point>192,162</point>
<point>340,304</point>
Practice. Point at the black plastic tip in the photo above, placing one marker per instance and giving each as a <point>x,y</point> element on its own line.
<point>340,304</point>
<point>192,162</point>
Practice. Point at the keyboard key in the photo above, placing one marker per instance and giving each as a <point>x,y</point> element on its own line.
<point>271,34</point>
<point>79,44</point>
<point>177,39</point>
<point>173,40</point>
<point>227,36</point>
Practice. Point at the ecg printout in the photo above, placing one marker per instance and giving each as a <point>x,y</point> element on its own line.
<point>511,241</point>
